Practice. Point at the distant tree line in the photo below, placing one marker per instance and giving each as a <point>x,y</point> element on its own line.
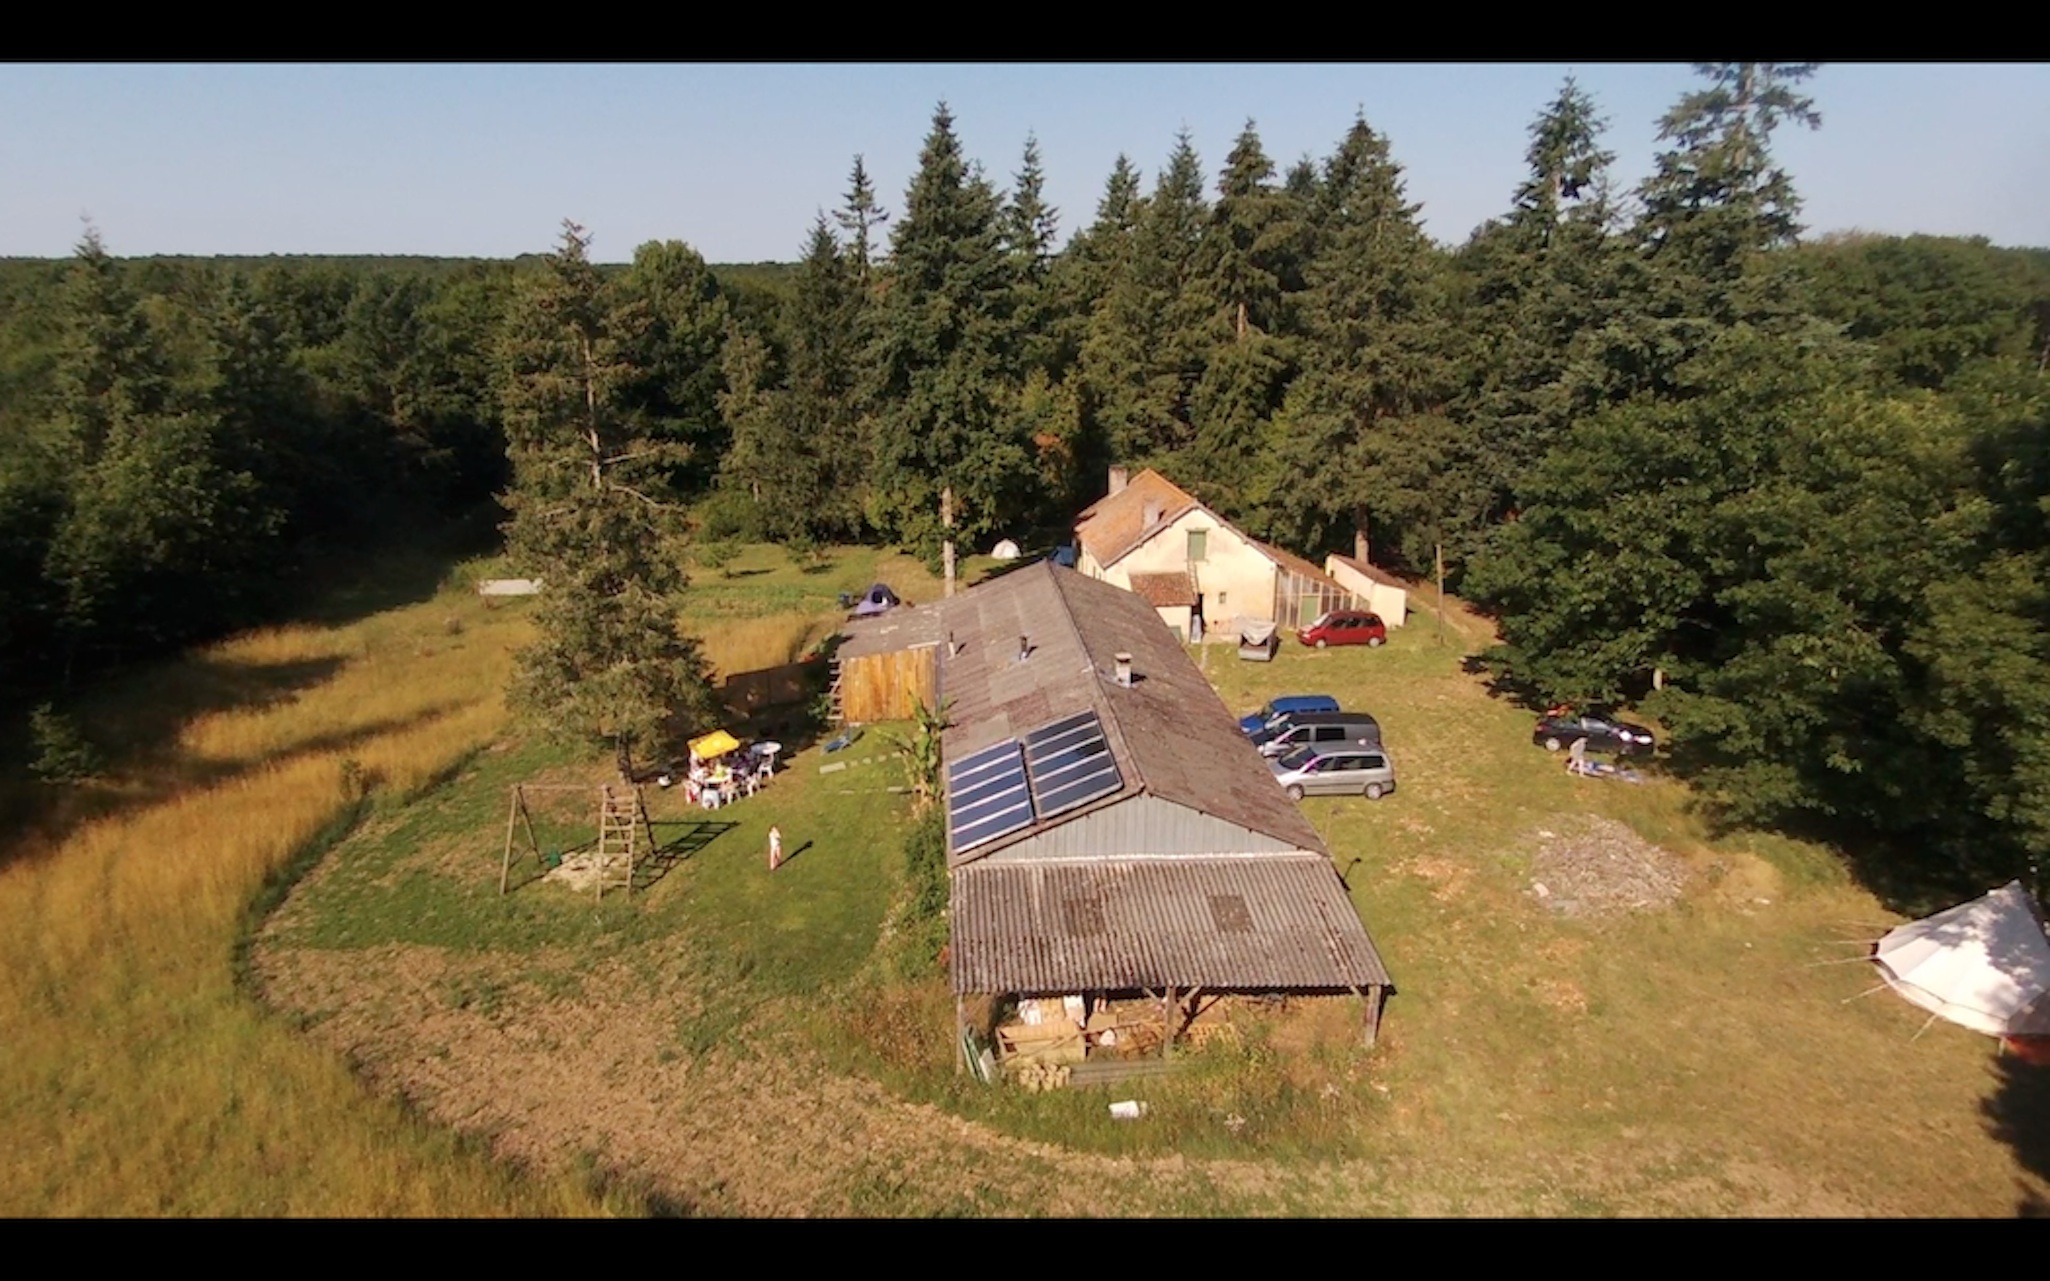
<point>1789,497</point>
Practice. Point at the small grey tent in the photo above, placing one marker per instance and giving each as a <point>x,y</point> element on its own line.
<point>878,599</point>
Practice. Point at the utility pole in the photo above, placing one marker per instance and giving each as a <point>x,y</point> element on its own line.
<point>1439,550</point>
<point>947,546</point>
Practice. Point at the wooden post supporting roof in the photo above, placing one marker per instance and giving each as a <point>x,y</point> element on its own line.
<point>1374,998</point>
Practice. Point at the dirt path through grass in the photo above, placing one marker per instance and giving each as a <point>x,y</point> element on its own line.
<point>758,1126</point>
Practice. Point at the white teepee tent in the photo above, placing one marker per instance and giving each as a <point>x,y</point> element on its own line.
<point>1984,965</point>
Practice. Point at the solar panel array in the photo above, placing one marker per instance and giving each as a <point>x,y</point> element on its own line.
<point>987,796</point>
<point>1069,764</point>
<point>1006,788</point>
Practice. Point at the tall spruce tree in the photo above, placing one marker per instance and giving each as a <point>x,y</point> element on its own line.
<point>1546,308</point>
<point>1714,210</point>
<point>861,218</point>
<point>1173,302</point>
<point>1376,374</point>
<point>950,462</point>
<point>159,531</point>
<point>1249,366</point>
<point>592,516</point>
<point>1112,355</point>
<point>1242,246</point>
<point>825,325</point>
<point>1030,226</point>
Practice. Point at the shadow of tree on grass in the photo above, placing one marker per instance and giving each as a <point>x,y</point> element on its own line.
<point>2017,1113</point>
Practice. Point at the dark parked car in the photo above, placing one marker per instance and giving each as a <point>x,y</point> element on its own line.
<point>1286,705</point>
<point>1602,733</point>
<point>1345,627</point>
<point>1319,729</point>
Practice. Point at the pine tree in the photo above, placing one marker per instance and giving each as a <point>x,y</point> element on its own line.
<point>1029,228</point>
<point>1240,249</point>
<point>591,516</point>
<point>825,324</point>
<point>159,533</point>
<point>1714,211</point>
<point>1546,310</point>
<point>1111,355</point>
<point>1030,225</point>
<point>1173,304</point>
<point>949,459</point>
<point>860,218</point>
<point>1247,368</point>
<point>1376,375</point>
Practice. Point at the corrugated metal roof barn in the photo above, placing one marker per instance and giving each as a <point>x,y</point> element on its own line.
<point>1110,828</point>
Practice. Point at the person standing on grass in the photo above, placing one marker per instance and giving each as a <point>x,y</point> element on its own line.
<point>775,848</point>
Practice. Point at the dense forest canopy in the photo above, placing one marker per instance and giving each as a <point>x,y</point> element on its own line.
<point>1791,496</point>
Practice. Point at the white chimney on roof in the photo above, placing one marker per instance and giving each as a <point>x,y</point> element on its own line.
<point>1120,476</point>
<point>1124,670</point>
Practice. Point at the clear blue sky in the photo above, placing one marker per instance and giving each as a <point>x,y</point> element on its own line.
<point>486,160</point>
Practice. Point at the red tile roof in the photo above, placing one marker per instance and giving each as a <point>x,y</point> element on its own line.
<point>1167,590</point>
<point>1115,524</point>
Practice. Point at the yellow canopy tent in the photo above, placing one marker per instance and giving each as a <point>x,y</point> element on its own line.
<point>716,743</point>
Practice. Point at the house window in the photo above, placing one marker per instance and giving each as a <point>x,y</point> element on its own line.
<point>1220,601</point>
<point>1199,543</point>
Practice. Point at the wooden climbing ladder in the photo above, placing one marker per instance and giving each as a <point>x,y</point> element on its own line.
<point>622,817</point>
<point>838,717</point>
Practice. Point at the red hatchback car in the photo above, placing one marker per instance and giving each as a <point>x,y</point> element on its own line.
<point>1345,627</point>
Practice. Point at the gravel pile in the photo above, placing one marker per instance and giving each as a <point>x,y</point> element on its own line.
<point>1599,867</point>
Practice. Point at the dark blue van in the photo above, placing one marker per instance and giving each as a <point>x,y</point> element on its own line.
<point>1287,706</point>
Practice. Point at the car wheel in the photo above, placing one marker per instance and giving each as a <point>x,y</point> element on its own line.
<point>1374,642</point>
<point>1320,642</point>
<point>1295,792</point>
<point>1552,744</point>
<point>1374,792</point>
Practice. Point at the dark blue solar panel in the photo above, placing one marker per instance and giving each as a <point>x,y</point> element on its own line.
<point>1080,725</point>
<point>1080,792</point>
<point>989,758</point>
<point>987,796</point>
<point>1069,764</point>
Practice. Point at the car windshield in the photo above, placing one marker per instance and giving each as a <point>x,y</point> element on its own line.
<point>1296,758</point>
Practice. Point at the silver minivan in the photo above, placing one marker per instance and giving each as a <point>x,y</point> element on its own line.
<point>1350,770</point>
